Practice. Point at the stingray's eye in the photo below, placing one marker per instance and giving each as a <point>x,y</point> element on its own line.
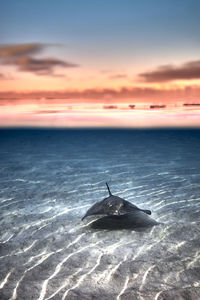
<point>109,204</point>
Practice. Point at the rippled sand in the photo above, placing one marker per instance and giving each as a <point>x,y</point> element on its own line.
<point>49,179</point>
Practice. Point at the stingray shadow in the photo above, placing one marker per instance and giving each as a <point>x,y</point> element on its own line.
<point>137,221</point>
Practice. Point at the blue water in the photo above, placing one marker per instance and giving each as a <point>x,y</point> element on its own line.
<point>48,180</point>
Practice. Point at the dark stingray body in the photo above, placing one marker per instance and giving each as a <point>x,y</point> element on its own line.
<point>113,205</point>
<point>136,220</point>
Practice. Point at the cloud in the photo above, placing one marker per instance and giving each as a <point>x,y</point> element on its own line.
<point>2,77</point>
<point>11,51</point>
<point>118,76</point>
<point>109,106</point>
<point>40,66</point>
<point>5,77</point>
<point>52,111</point>
<point>187,71</point>
<point>106,96</point>
<point>21,56</point>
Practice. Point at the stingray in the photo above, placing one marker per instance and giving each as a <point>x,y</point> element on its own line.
<point>137,221</point>
<point>113,205</point>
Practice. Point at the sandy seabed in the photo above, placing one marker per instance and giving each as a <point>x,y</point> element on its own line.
<point>48,180</point>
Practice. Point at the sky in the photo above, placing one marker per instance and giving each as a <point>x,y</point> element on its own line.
<point>54,54</point>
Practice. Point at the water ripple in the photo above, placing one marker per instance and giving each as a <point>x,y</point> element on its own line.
<point>46,252</point>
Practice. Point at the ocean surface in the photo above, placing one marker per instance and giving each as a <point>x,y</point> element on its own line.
<point>48,180</point>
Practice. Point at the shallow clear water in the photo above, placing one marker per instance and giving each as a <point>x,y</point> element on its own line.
<point>49,178</point>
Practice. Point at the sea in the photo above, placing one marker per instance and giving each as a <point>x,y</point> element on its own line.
<point>49,178</point>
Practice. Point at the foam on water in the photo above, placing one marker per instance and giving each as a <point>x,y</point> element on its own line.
<point>50,178</point>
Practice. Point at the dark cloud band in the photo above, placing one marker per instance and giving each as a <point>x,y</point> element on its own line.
<point>187,71</point>
<point>108,96</point>
<point>21,56</point>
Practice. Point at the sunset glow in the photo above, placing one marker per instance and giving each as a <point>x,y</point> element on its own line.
<point>59,59</point>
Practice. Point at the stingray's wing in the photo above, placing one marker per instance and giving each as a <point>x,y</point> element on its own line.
<point>129,207</point>
<point>96,209</point>
<point>136,220</point>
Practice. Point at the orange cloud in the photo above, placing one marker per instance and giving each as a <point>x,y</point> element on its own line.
<point>5,77</point>
<point>126,94</point>
<point>118,76</point>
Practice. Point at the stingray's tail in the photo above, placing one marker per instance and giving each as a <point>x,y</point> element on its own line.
<point>110,194</point>
<point>83,217</point>
<point>146,211</point>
